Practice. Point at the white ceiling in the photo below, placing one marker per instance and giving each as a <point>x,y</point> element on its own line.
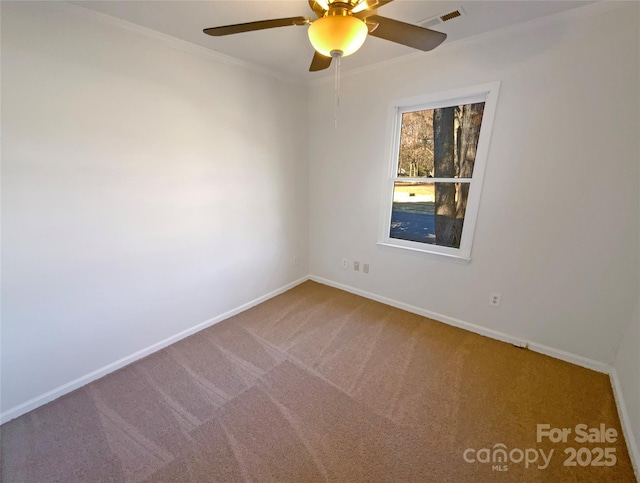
<point>287,50</point>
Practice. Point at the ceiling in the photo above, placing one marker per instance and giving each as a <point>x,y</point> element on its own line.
<point>287,50</point>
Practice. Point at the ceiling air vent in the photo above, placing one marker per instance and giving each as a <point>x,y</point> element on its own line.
<point>450,15</point>
<point>438,19</point>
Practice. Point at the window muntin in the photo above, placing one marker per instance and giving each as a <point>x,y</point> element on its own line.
<point>438,158</point>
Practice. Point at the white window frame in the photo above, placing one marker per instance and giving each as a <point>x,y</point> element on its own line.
<point>487,93</point>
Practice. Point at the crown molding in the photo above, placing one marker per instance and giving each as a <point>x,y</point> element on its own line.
<point>175,43</point>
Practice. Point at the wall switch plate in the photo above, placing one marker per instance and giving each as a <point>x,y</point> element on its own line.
<point>365,268</point>
<point>356,266</point>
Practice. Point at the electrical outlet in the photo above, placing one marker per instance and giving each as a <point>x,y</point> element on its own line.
<point>356,266</point>
<point>365,268</point>
<point>495,299</point>
<point>345,263</point>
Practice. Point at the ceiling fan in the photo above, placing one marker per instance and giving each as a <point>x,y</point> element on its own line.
<point>341,27</point>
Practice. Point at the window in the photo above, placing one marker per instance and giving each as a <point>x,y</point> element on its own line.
<point>438,155</point>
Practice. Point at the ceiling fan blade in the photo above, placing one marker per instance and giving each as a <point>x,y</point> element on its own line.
<point>319,62</point>
<point>406,34</point>
<point>378,3</point>
<point>260,25</point>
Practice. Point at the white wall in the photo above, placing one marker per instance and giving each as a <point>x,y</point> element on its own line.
<point>145,190</point>
<point>627,368</point>
<point>557,230</point>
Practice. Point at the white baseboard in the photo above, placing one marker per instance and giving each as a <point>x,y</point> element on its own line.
<point>632,446</point>
<point>59,391</point>
<point>541,348</point>
<point>625,422</point>
<point>494,334</point>
<point>570,357</point>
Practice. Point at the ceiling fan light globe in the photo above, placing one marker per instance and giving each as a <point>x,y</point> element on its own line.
<point>332,33</point>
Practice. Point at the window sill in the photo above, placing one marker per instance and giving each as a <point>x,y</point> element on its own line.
<point>429,253</point>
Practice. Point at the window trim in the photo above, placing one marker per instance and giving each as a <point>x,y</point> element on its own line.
<point>487,93</point>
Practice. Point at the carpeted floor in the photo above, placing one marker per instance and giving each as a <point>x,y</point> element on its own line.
<point>322,385</point>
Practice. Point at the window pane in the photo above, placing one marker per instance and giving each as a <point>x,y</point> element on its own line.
<point>429,212</point>
<point>440,143</point>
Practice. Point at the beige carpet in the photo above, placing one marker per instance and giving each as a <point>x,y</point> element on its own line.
<point>321,385</point>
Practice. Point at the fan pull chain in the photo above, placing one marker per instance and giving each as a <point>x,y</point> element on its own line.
<point>336,89</point>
